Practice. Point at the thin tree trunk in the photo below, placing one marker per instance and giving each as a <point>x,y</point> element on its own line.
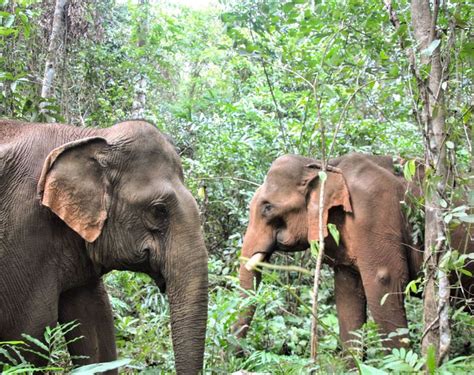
<point>52,57</point>
<point>436,295</point>
<point>432,119</point>
<point>139,102</point>
<point>317,273</point>
<point>319,260</point>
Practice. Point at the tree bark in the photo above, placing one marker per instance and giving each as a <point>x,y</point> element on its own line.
<point>52,58</point>
<point>436,293</point>
<point>139,102</point>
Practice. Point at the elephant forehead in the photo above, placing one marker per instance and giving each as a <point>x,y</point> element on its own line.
<point>149,159</point>
<point>144,144</point>
<point>285,174</point>
<point>154,158</point>
<point>135,191</point>
<point>283,195</point>
<point>282,181</point>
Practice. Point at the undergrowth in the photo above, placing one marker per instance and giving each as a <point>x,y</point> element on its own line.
<point>277,343</point>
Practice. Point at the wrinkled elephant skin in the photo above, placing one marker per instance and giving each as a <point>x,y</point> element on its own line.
<point>76,203</point>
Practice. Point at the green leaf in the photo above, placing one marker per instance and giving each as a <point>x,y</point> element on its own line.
<point>5,31</point>
<point>412,286</point>
<point>467,218</point>
<point>394,71</point>
<point>369,370</point>
<point>334,233</point>
<point>36,342</point>
<point>314,247</point>
<point>431,360</point>
<point>383,55</point>
<point>9,21</point>
<point>229,17</point>
<point>5,353</point>
<point>288,7</point>
<point>12,342</point>
<point>466,272</point>
<point>100,367</point>
<point>460,208</point>
<point>28,368</point>
<point>409,170</point>
<point>428,51</point>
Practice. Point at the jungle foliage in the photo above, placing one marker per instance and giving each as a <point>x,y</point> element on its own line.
<point>237,84</point>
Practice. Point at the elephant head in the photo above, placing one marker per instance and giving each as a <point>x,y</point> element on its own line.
<point>122,191</point>
<point>284,216</point>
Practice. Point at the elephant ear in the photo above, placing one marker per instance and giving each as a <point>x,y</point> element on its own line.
<point>73,186</point>
<point>336,194</point>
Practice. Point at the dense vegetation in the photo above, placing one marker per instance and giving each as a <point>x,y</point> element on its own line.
<point>237,84</point>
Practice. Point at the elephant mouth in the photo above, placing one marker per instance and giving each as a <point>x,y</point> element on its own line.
<point>147,264</point>
<point>150,268</point>
<point>291,248</point>
<point>160,283</point>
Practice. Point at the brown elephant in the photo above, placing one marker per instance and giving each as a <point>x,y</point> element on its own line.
<point>375,255</point>
<point>76,203</point>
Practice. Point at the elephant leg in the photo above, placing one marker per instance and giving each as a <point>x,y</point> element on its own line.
<point>32,318</point>
<point>351,303</point>
<point>381,278</point>
<point>89,305</point>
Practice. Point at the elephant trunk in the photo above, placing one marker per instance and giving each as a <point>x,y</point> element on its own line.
<point>187,293</point>
<point>255,248</point>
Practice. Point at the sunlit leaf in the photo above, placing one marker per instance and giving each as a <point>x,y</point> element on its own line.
<point>334,233</point>
<point>100,367</point>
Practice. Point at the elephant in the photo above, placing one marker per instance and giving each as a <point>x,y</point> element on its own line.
<point>375,255</point>
<point>76,203</point>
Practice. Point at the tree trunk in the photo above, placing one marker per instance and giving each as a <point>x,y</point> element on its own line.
<point>139,102</point>
<point>435,318</point>
<point>317,272</point>
<point>57,32</point>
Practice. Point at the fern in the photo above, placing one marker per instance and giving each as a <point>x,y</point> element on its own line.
<point>402,360</point>
<point>52,349</point>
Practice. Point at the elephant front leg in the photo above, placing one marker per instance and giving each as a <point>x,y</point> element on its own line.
<point>89,305</point>
<point>384,283</point>
<point>351,303</point>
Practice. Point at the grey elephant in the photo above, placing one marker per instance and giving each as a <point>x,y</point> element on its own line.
<point>76,203</point>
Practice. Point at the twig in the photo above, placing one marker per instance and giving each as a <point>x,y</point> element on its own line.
<point>278,267</point>
<point>427,329</point>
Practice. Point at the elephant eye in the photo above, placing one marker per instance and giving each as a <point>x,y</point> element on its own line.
<point>157,218</point>
<point>266,208</point>
<point>159,211</point>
